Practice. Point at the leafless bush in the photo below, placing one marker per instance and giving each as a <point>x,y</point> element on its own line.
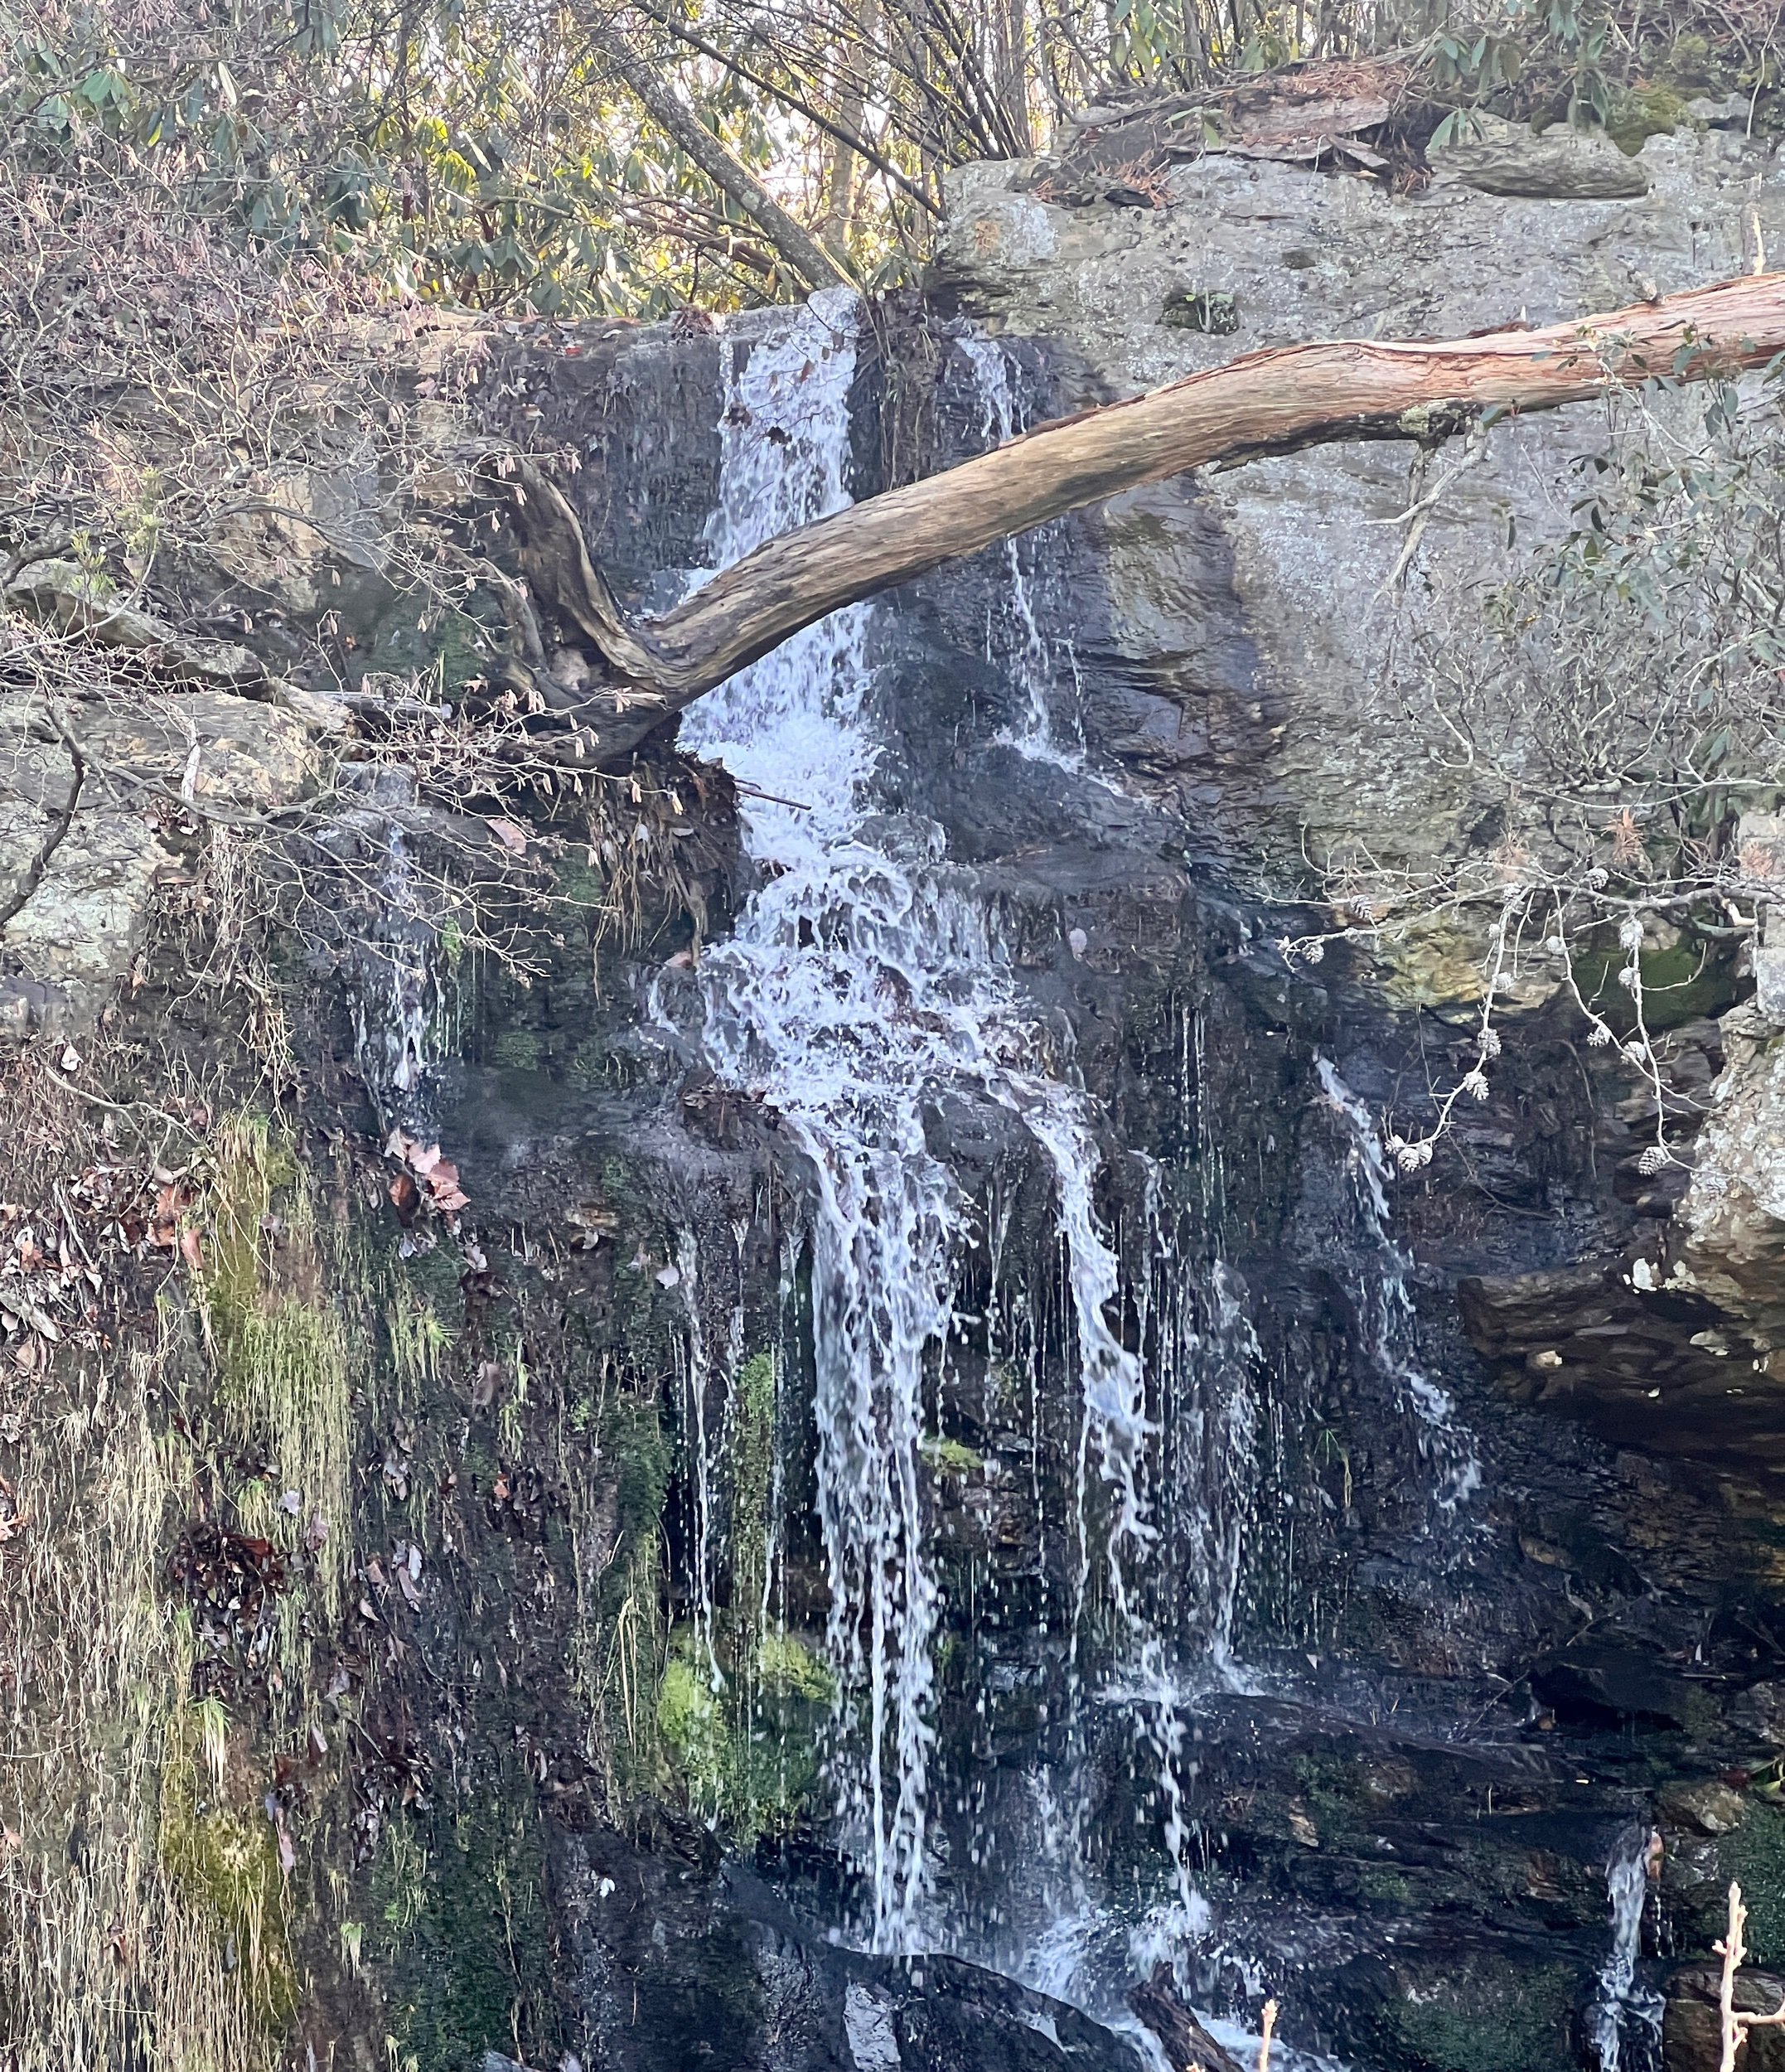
<point>1618,709</point>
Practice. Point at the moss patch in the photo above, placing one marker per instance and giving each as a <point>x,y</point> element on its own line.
<point>225,1862</point>
<point>467,1931</point>
<point>1643,112</point>
<point>1754,1857</point>
<point>950,1457</point>
<point>1486,2021</point>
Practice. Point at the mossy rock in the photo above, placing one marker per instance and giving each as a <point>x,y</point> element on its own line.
<point>1679,984</point>
<point>1643,112</point>
<point>1483,2017</point>
<point>225,1861</point>
<point>746,1748</point>
<point>518,1050</point>
<point>950,1457</point>
<point>1754,1856</point>
<point>467,1931</point>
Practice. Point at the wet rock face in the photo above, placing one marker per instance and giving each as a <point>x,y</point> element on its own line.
<point>1415,1834</point>
<point>1692,2038</point>
<point>685,1967</point>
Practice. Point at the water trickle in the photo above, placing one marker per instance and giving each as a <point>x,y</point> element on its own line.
<point>1035,665</point>
<point>1623,2025</point>
<point>698,1378</point>
<point>1384,1304</point>
<point>824,1005</point>
<point>393,976</point>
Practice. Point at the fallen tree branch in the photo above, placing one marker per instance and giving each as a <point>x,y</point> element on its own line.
<point>1274,402</point>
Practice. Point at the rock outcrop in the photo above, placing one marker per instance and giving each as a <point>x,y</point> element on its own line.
<point>88,789</point>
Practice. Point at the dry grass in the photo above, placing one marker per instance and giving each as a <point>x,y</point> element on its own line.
<point>143,1906</point>
<point>112,1949</point>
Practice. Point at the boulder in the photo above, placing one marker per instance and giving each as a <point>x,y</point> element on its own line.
<point>1602,1682</point>
<point>1691,2034</point>
<point>1557,164</point>
<point>79,856</point>
<point>79,600</point>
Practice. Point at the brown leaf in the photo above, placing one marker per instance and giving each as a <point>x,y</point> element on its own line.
<point>403,1194</point>
<point>512,838</point>
<point>191,1249</point>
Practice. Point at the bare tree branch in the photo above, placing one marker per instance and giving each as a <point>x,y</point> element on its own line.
<point>802,251</point>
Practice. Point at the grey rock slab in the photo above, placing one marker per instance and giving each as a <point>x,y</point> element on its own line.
<point>1560,164</point>
<point>234,753</point>
<point>81,927</point>
<point>77,601</point>
<point>84,895</point>
<point>1731,1223</point>
<point>1343,666</point>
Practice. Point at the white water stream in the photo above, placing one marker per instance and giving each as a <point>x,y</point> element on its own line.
<point>1384,1305</point>
<point>1624,2022</point>
<point>862,980</point>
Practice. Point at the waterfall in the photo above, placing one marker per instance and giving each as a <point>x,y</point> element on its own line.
<point>1384,1304</point>
<point>1623,2025</point>
<point>862,979</point>
<point>392,983</point>
<point>1035,663</point>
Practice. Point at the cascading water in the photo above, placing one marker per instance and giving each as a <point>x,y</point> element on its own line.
<point>1034,663</point>
<point>863,978</point>
<point>1384,1304</point>
<point>1623,2025</point>
<point>391,953</point>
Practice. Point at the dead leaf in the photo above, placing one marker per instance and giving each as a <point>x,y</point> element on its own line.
<point>191,1250</point>
<point>512,838</point>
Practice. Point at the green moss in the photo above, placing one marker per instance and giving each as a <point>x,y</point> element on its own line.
<point>622,1625</point>
<point>277,1332</point>
<point>1754,1857</point>
<point>1479,2021</point>
<point>470,1966</point>
<point>751,1459</point>
<point>950,1457</point>
<point>1643,112</point>
<point>226,1863</point>
<point>788,1668</point>
<point>745,1750</point>
<point>692,1724</point>
<point>518,1050</point>
<point>1679,984</point>
<point>417,1338</point>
